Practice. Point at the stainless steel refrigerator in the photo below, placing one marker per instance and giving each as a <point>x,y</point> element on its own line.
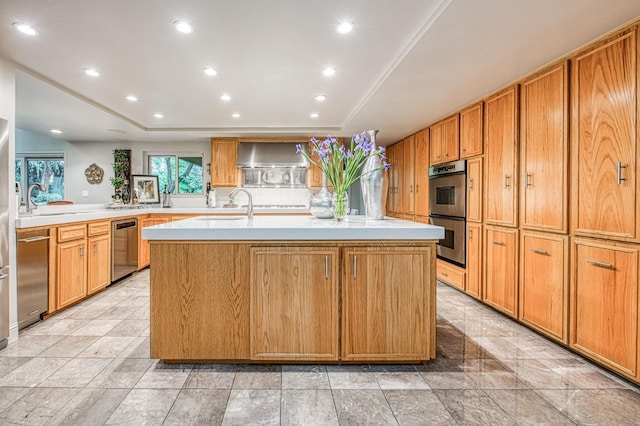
<point>4,233</point>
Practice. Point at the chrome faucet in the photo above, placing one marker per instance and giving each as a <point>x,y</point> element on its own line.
<point>31,206</point>
<point>249,205</point>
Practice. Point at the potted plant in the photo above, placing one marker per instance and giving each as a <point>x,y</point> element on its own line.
<point>120,179</point>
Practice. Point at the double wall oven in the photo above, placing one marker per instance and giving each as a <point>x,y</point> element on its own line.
<point>448,208</point>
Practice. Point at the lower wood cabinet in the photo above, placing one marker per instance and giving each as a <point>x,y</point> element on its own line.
<point>98,256</point>
<point>500,288</point>
<point>474,260</point>
<point>71,266</point>
<point>451,274</point>
<point>143,245</point>
<point>388,299</point>
<point>294,303</point>
<point>604,303</point>
<point>544,283</point>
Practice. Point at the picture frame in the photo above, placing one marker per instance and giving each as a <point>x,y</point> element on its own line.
<point>146,188</point>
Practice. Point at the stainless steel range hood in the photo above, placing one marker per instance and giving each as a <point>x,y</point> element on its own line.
<point>270,154</point>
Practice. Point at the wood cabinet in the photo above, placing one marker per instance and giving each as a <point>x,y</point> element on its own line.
<point>474,190</point>
<point>314,174</point>
<point>408,170</point>
<point>98,256</point>
<point>294,303</point>
<point>604,303</point>
<point>500,288</point>
<point>474,260</point>
<point>451,274</point>
<point>544,148</point>
<point>143,245</point>
<point>445,140</point>
<point>395,155</point>
<point>604,140</point>
<point>421,173</point>
<point>224,154</point>
<point>544,283</point>
<point>388,296</point>
<point>471,124</point>
<point>71,276</point>
<point>501,149</point>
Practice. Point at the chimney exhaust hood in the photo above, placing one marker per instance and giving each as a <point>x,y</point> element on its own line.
<point>271,154</point>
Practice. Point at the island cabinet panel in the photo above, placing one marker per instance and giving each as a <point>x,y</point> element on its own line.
<point>294,303</point>
<point>604,140</point>
<point>544,150</point>
<point>500,288</point>
<point>199,301</point>
<point>604,304</point>
<point>544,283</point>
<point>388,298</point>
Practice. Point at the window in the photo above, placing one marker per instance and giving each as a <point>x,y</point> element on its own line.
<point>179,173</point>
<point>47,170</point>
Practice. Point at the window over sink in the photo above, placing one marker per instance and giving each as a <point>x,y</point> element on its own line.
<point>180,173</point>
<point>46,169</point>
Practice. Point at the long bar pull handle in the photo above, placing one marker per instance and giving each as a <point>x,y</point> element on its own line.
<point>527,181</point>
<point>32,239</point>
<point>82,250</point>
<point>410,188</point>
<point>95,248</point>
<point>470,186</point>
<point>326,267</point>
<point>417,188</point>
<point>539,251</point>
<point>498,242</point>
<point>470,233</point>
<point>506,181</point>
<point>355,266</point>
<point>599,263</point>
<point>620,178</point>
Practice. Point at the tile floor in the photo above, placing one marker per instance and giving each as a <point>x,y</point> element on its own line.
<point>90,365</point>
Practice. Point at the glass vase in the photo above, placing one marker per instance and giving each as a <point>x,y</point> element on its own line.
<point>321,204</point>
<point>340,206</point>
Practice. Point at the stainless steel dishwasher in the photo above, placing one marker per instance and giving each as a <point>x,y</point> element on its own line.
<point>33,275</point>
<point>124,248</point>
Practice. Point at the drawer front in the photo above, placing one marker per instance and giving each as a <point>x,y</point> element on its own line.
<point>451,274</point>
<point>98,228</point>
<point>71,232</point>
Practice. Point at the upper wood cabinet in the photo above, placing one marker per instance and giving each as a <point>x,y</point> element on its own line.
<point>393,179</point>
<point>544,149</point>
<point>474,190</point>
<point>471,131</point>
<point>444,139</point>
<point>396,183</point>
<point>224,155</point>
<point>604,140</point>
<point>421,175</point>
<point>408,163</point>
<point>501,150</point>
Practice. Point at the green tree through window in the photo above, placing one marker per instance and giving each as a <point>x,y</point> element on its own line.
<point>179,174</point>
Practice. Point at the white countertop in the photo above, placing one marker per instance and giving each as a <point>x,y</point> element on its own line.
<point>285,228</point>
<point>76,213</point>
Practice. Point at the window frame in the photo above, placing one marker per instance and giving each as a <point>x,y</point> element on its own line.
<point>23,157</point>
<point>177,155</point>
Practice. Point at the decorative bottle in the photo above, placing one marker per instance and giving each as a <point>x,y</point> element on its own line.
<point>374,184</point>
<point>321,204</point>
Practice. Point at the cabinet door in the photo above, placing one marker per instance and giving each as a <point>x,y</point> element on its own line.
<point>471,131</point>
<point>314,174</point>
<point>421,175</point>
<point>388,297</point>
<point>500,145</point>
<point>604,304</point>
<point>143,245</point>
<point>474,190</point>
<point>544,283</point>
<point>604,140</point>
<point>98,263</point>
<point>408,163</point>
<point>544,149</point>
<point>303,283</point>
<point>436,135</point>
<point>72,272</point>
<point>474,259</point>
<point>501,275</point>
<point>393,176</point>
<point>399,199</point>
<point>224,154</point>
<point>451,138</point>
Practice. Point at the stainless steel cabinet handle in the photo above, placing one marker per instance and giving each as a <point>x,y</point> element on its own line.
<point>620,178</point>
<point>506,181</point>
<point>417,188</point>
<point>464,149</point>
<point>538,251</point>
<point>599,263</point>
<point>32,239</point>
<point>470,233</point>
<point>95,248</point>
<point>470,183</point>
<point>410,188</point>
<point>326,266</point>
<point>355,266</point>
<point>498,242</point>
<point>527,183</point>
<point>82,250</point>
<point>443,273</point>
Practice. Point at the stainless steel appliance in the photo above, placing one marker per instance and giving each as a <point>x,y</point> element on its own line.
<point>124,248</point>
<point>33,275</point>
<point>4,233</point>
<point>448,208</point>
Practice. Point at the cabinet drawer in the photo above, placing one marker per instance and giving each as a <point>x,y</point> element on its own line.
<point>451,274</point>
<point>98,228</point>
<point>71,232</point>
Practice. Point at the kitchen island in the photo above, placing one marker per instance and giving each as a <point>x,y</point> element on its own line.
<point>292,289</point>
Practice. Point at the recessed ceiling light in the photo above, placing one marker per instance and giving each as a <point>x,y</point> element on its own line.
<point>183,27</point>
<point>158,115</point>
<point>345,27</point>
<point>210,71</point>
<point>92,72</point>
<point>321,98</point>
<point>56,131</point>
<point>25,28</point>
<point>235,115</point>
<point>329,71</point>
<point>132,98</point>
<point>225,97</point>
<point>314,115</point>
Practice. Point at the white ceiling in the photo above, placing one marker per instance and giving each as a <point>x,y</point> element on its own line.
<point>406,64</point>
